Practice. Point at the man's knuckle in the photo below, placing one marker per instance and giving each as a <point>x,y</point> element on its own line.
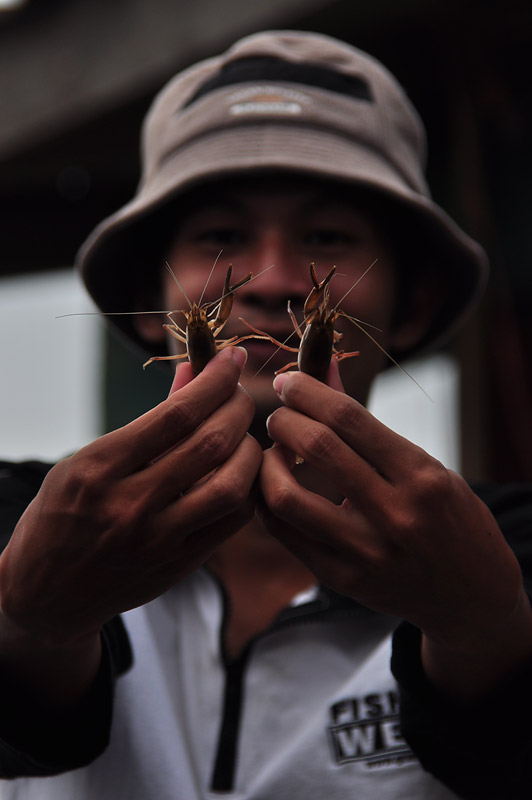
<point>213,446</point>
<point>432,481</point>
<point>346,414</point>
<point>180,419</point>
<point>281,500</point>
<point>84,478</point>
<point>403,523</point>
<point>318,442</point>
<point>226,495</point>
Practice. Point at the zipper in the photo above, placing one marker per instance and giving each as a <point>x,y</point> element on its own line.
<point>327,605</point>
<point>223,775</point>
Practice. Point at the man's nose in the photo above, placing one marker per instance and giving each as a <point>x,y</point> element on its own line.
<point>284,276</point>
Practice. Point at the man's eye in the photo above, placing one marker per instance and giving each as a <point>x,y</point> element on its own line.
<point>227,237</point>
<point>328,237</point>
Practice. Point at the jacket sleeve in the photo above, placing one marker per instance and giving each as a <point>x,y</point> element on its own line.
<point>49,748</point>
<point>19,483</point>
<point>482,750</point>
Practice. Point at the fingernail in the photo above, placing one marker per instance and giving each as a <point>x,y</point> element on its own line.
<point>240,355</point>
<point>279,382</point>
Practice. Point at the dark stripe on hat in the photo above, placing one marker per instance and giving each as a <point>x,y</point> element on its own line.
<point>268,68</point>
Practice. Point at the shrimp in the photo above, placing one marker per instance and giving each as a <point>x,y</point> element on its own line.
<point>319,339</point>
<point>203,322</point>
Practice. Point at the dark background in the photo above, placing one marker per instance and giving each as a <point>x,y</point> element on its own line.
<point>77,77</point>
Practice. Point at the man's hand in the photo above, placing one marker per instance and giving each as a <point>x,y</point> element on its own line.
<point>126,517</point>
<point>410,538</point>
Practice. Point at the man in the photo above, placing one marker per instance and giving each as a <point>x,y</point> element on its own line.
<point>259,596</point>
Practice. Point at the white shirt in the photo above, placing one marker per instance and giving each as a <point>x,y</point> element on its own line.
<point>318,718</point>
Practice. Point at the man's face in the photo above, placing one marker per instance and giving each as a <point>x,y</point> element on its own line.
<point>287,223</point>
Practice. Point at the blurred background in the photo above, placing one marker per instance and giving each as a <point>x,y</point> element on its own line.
<point>75,81</point>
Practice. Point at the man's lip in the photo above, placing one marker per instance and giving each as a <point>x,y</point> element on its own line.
<point>278,326</point>
<point>265,345</point>
<point>263,327</point>
<point>263,353</point>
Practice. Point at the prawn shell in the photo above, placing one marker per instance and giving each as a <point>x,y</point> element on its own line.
<point>201,346</point>
<point>316,349</point>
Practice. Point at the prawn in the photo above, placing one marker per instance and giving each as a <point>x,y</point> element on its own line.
<point>319,339</point>
<point>203,322</point>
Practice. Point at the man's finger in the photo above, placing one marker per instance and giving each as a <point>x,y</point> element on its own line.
<point>163,427</point>
<point>389,453</point>
<point>222,494</point>
<point>209,446</point>
<point>183,375</point>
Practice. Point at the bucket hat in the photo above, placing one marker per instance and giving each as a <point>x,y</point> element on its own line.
<point>289,101</point>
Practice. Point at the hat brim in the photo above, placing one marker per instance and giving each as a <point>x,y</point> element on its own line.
<point>132,242</point>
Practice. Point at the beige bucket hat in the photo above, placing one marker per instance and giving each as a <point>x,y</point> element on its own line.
<point>289,101</point>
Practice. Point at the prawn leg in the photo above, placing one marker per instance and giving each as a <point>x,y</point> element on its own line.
<point>176,332</point>
<point>339,356</point>
<point>266,336</point>
<point>164,358</point>
<point>294,320</point>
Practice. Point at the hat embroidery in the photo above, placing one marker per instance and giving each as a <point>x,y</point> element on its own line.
<point>266,100</point>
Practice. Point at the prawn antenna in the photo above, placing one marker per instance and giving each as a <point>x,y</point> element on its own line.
<point>355,284</point>
<point>381,348</point>
<point>162,311</point>
<point>174,276</point>
<point>244,282</point>
<point>108,313</point>
<point>210,276</point>
<point>269,357</point>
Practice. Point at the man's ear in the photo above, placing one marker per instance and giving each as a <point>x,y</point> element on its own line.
<point>425,300</point>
